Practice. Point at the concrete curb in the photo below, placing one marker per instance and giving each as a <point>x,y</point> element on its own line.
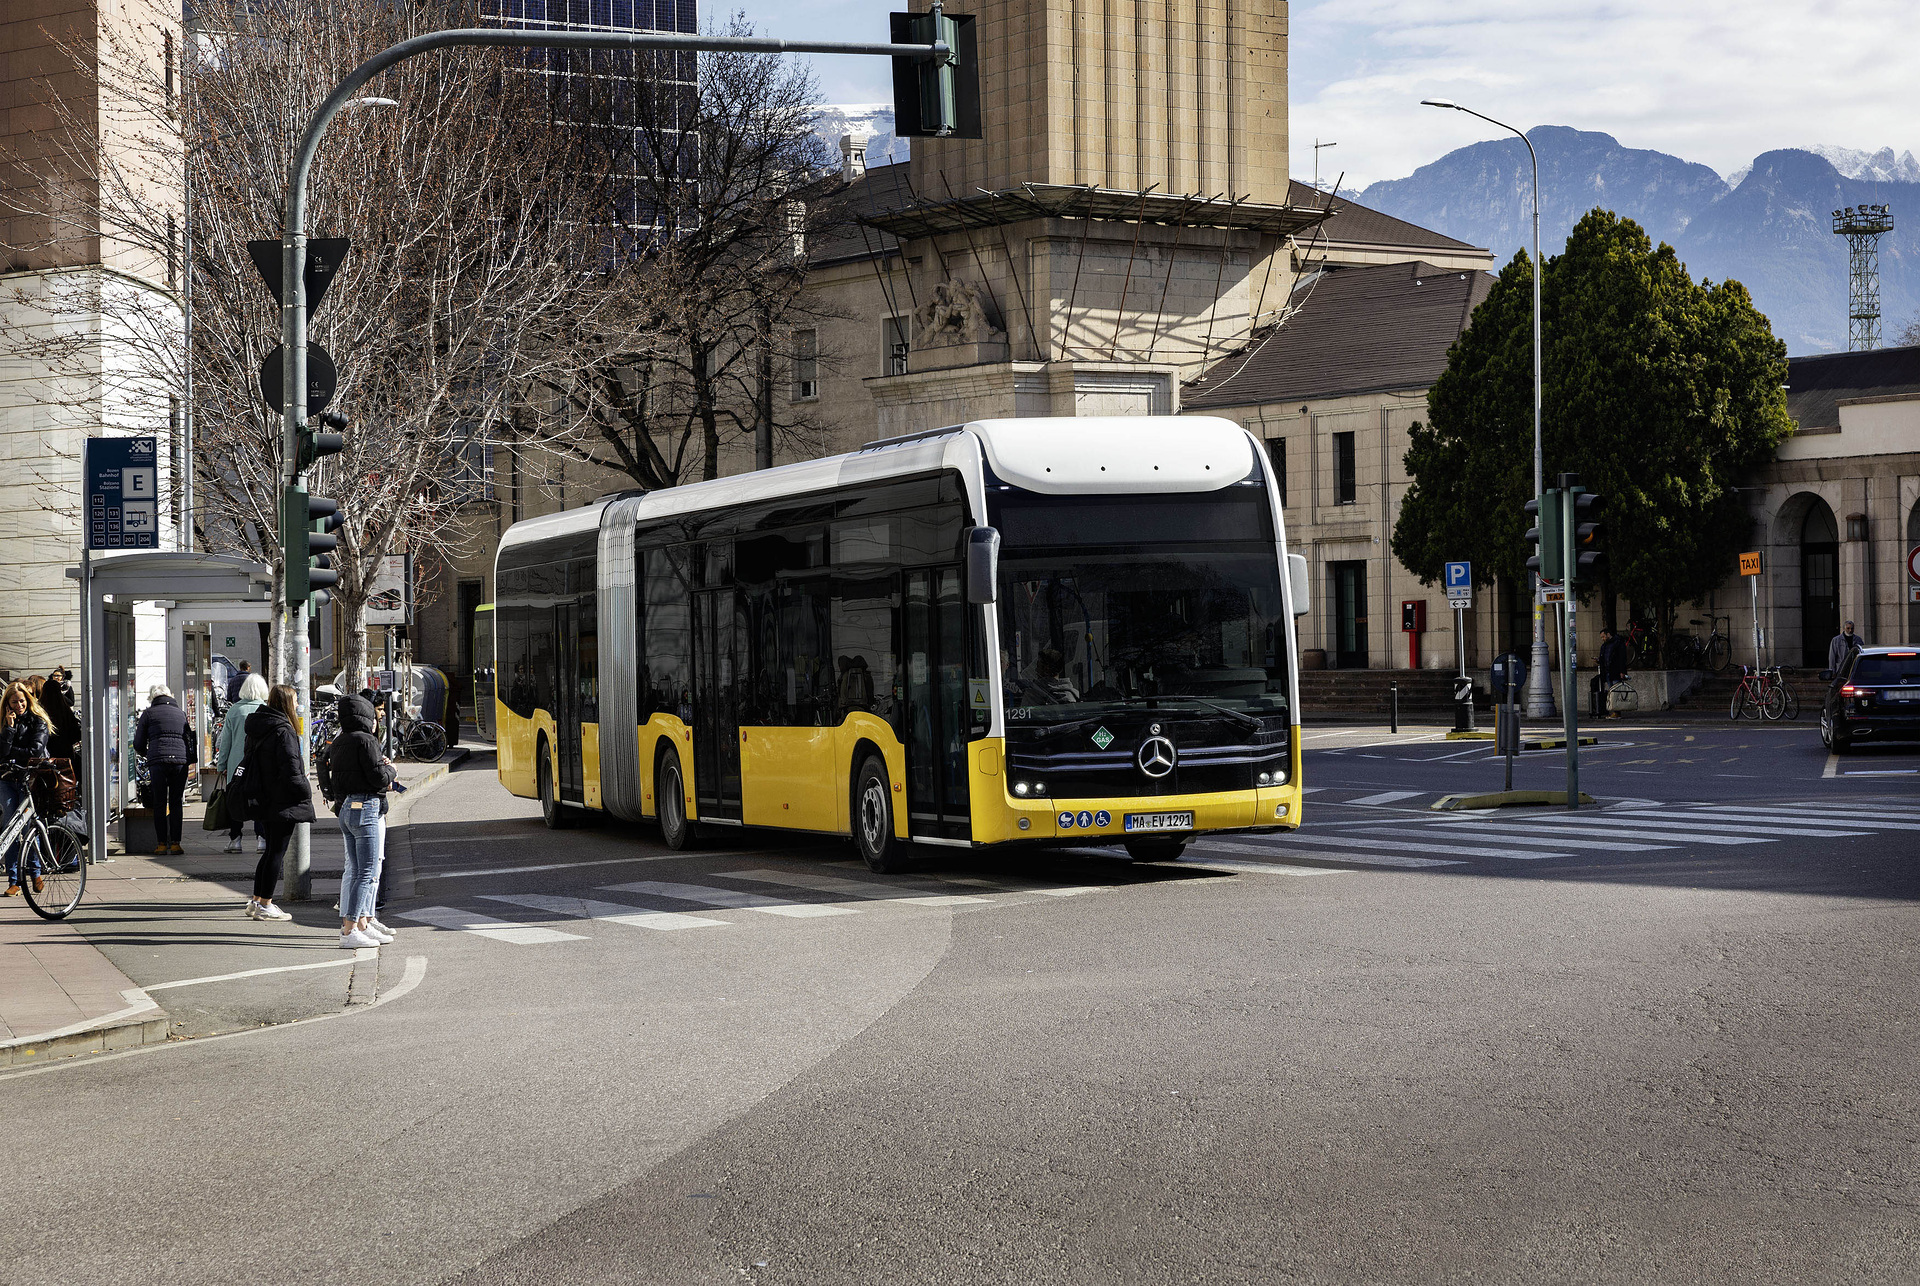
<point>1503,799</point>
<point>148,1025</point>
<point>399,816</point>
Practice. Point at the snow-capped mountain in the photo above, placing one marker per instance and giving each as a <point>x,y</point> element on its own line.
<point>1767,225</point>
<point>875,120</point>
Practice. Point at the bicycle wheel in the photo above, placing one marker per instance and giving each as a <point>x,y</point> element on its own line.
<point>1719,654</point>
<point>431,741</point>
<point>1739,704</point>
<point>1792,701</point>
<point>63,871</point>
<point>1773,702</point>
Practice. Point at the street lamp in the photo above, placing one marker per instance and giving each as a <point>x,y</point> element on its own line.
<point>1539,686</point>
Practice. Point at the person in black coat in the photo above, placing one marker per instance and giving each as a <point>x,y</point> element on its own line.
<point>278,793</point>
<point>1615,655</point>
<point>164,738</point>
<point>357,779</point>
<point>238,677</point>
<point>23,740</point>
<point>56,698</point>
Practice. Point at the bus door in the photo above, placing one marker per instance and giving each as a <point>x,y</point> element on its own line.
<point>566,700</point>
<point>937,721</point>
<point>720,661</point>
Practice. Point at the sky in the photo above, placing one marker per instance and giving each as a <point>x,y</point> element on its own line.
<point>1713,81</point>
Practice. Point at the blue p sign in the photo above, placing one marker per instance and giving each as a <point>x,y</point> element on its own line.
<point>1459,576</point>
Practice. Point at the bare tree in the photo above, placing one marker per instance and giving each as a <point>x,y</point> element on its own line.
<point>464,202</point>
<point>707,215</point>
<point>1909,333</point>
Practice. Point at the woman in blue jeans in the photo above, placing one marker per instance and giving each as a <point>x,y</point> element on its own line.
<point>358,779</point>
<point>23,740</point>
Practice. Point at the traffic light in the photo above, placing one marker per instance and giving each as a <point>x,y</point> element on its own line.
<point>307,523</point>
<point>936,98</point>
<point>1585,560</point>
<point>1545,536</point>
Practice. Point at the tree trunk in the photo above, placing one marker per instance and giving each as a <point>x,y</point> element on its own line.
<point>353,642</point>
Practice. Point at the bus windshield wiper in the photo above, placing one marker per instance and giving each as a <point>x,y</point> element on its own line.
<point>1251,721</point>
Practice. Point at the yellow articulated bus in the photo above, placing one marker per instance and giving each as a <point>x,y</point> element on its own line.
<point>1043,631</point>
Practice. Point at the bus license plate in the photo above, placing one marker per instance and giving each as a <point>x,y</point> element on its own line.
<point>1159,822</point>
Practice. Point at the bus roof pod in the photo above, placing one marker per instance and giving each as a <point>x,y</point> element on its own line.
<point>1119,453</point>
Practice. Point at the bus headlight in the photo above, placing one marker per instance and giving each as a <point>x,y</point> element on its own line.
<point>1020,788</point>
<point>1026,788</point>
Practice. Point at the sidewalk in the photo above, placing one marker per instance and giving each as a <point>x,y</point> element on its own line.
<point>60,995</point>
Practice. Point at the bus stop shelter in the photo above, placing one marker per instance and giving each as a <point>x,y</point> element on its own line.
<point>197,586</point>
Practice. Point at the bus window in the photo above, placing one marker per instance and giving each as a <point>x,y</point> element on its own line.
<point>863,632</point>
<point>668,637</point>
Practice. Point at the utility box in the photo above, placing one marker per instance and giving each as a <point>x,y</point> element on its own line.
<point>1413,616</point>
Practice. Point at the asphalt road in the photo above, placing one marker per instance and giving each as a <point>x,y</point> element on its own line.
<point>1671,1038</point>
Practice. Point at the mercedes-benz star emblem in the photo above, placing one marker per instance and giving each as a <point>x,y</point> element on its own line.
<point>1156,756</point>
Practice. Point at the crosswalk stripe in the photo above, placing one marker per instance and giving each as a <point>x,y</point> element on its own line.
<point>853,888</point>
<point>1386,797</point>
<point>1665,821</point>
<point>1009,886</point>
<point>1343,841</point>
<point>612,912</point>
<point>1678,835</point>
<point>446,917</point>
<point>731,898</point>
<point>1863,820</point>
<point>1358,859</point>
<point>1492,831</point>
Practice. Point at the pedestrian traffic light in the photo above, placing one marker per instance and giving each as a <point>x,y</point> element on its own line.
<point>308,523</point>
<point>1585,559</point>
<point>314,444</point>
<point>936,97</point>
<point>1545,536</point>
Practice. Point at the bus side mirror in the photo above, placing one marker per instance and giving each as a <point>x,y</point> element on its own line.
<point>983,565</point>
<point>1297,574</point>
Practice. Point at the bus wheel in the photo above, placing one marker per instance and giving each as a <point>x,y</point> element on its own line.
<point>880,849</point>
<point>552,811</point>
<point>1161,848</point>
<point>670,793</point>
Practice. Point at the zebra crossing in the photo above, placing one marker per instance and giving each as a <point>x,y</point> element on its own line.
<point>659,905</point>
<point>1644,828</point>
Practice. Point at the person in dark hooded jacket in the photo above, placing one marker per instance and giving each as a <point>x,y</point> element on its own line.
<point>358,776</point>
<point>164,737</point>
<point>56,698</point>
<point>278,793</point>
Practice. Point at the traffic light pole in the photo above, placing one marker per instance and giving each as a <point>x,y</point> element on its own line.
<point>1569,651</point>
<point>293,241</point>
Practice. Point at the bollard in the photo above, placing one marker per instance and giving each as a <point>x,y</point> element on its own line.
<point>1393,707</point>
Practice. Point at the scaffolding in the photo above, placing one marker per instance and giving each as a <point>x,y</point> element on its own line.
<point>1862,225</point>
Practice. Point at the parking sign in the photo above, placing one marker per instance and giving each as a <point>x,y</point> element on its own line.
<point>1459,584</point>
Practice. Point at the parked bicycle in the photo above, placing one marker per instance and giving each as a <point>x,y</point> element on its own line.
<point>1643,637</point>
<point>1691,652</point>
<point>418,739</point>
<point>53,863</point>
<point>1759,693</point>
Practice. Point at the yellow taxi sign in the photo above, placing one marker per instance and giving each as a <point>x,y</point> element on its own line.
<point>1750,564</point>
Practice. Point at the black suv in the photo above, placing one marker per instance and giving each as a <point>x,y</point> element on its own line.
<point>1874,696</point>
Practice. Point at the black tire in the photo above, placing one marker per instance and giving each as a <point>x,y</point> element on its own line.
<point>1739,704</point>
<point>670,802</point>
<point>1719,655</point>
<point>871,813</point>
<point>1792,699</point>
<point>1157,848</point>
<point>552,811</point>
<point>427,742</point>
<point>63,871</point>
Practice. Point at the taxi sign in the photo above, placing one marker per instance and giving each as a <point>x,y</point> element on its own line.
<point>1750,564</point>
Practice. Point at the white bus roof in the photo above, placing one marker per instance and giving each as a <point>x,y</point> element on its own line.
<point>1052,456</point>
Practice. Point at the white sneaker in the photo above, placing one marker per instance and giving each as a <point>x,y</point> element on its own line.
<point>373,932</point>
<point>268,911</point>
<point>356,939</point>
<point>233,845</point>
<point>261,847</point>
<point>381,928</point>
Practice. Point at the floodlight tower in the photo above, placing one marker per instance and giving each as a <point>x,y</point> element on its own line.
<point>1862,225</point>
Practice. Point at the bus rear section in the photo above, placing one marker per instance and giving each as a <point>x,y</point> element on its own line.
<point>1014,632</point>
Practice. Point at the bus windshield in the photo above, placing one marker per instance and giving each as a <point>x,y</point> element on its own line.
<point>1169,601</point>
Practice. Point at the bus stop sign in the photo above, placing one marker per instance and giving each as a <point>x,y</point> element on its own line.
<point>123,493</point>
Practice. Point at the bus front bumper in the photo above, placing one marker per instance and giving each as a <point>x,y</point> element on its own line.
<point>1107,821</point>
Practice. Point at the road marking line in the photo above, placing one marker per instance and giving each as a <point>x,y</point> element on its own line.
<point>1881,772</point>
<point>1868,819</point>
<point>1491,830</point>
<point>446,917</point>
<point>1386,797</point>
<point>730,898</point>
<point>1833,766</point>
<point>1463,850</point>
<point>613,912</point>
<point>865,889</point>
<point>546,866</point>
<point>1546,826</point>
<point>1736,824</point>
<point>1263,868</point>
<point>360,953</point>
<point>1358,859</point>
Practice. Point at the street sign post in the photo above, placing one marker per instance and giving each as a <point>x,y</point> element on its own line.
<point>1750,568</point>
<point>1460,598</point>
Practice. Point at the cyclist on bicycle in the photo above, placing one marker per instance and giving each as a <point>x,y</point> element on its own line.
<point>24,729</point>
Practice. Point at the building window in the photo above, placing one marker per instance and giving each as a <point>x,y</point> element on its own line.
<point>1277,456</point>
<point>895,345</point>
<point>472,467</point>
<point>1345,486</point>
<point>806,365</point>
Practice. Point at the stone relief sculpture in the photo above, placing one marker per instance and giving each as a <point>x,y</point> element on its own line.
<point>955,314</point>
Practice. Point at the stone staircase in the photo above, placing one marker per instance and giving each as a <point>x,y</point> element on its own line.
<point>1716,693</point>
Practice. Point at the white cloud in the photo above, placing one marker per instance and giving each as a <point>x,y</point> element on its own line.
<point>1715,81</point>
